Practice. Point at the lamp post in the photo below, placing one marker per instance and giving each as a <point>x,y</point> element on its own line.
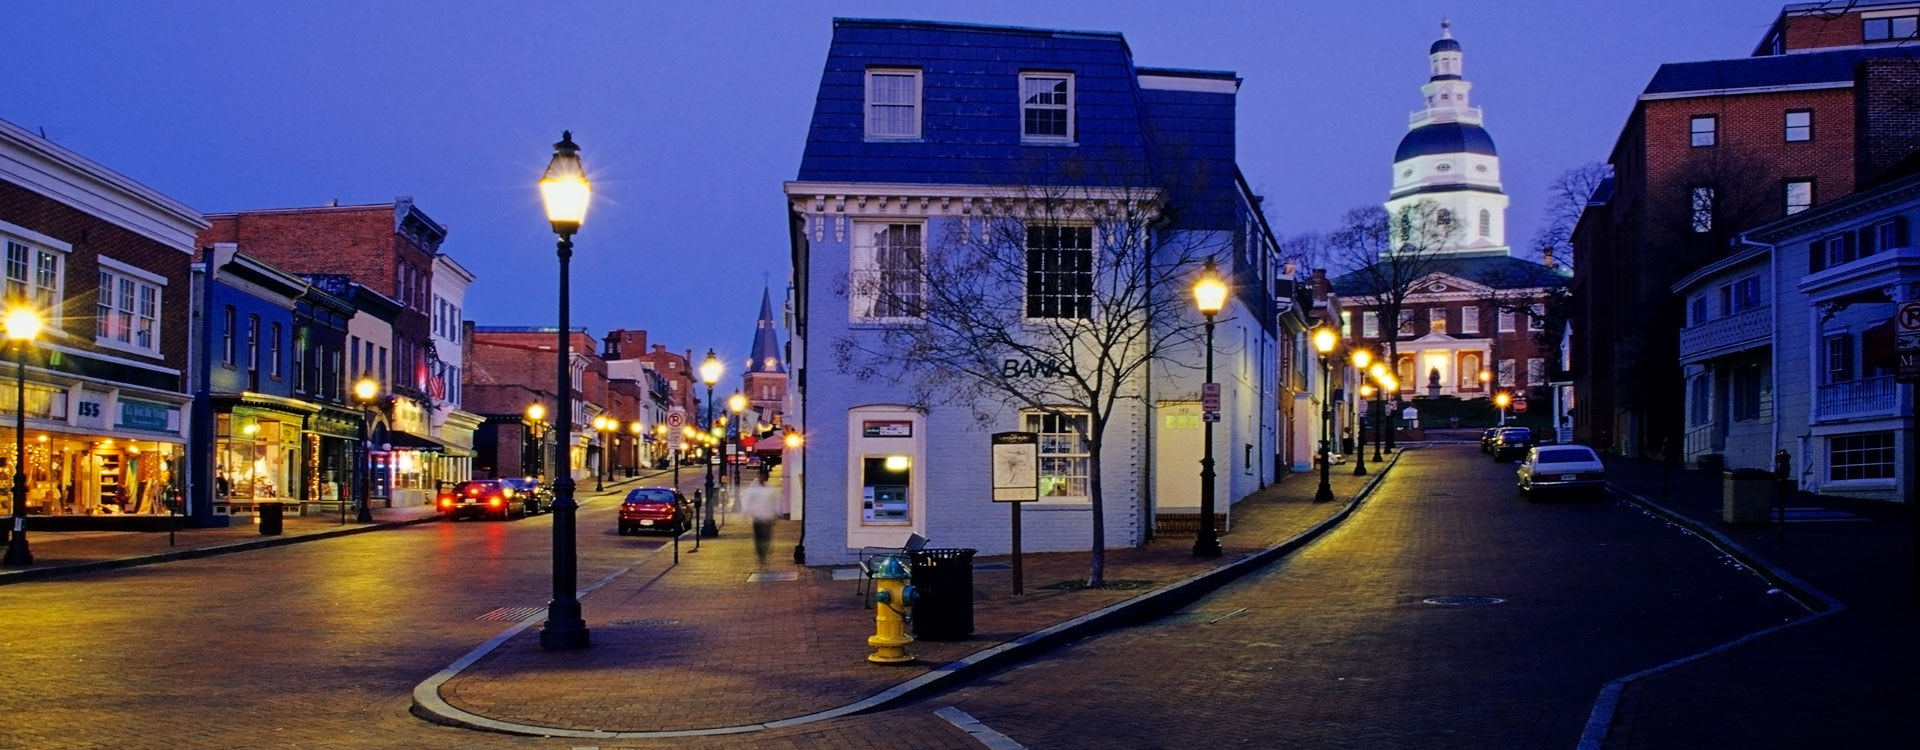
<point>22,325</point>
<point>599,472</point>
<point>565,191</point>
<point>1502,399</point>
<point>737,404</point>
<point>710,370</point>
<point>1324,341</point>
<point>1361,358</point>
<point>536,440</point>
<point>1379,373</point>
<point>366,390</point>
<point>639,433</point>
<point>1210,296</point>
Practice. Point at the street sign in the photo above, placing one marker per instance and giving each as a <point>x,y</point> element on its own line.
<point>1520,406</point>
<point>1210,416</point>
<point>1907,318</point>
<point>676,420</point>
<point>1909,371</point>
<point>1210,396</point>
<point>1016,467</point>
<point>1906,342</point>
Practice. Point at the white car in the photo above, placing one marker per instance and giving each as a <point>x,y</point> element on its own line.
<point>1572,469</point>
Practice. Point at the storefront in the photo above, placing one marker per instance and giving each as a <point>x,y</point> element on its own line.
<point>332,438</point>
<point>259,452</point>
<point>411,458</point>
<point>81,465</point>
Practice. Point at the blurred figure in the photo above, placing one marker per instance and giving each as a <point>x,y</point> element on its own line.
<point>762,505</point>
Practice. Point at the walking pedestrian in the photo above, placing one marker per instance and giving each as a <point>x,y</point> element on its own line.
<point>761,506</point>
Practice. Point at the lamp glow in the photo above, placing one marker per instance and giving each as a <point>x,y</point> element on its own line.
<point>365,389</point>
<point>1209,292</point>
<point>897,463</point>
<point>1378,371</point>
<point>793,440</point>
<point>1324,339</point>
<point>564,187</point>
<point>1361,357</point>
<point>536,412</point>
<point>736,403</point>
<point>710,369</point>
<point>22,324</point>
<point>1502,400</point>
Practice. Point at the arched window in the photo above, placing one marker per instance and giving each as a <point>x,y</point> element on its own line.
<point>1486,222</point>
<point>1470,372</point>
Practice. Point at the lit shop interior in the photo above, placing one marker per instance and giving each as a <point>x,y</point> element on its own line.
<point>71,475</point>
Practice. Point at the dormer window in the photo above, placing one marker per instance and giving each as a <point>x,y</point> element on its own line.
<point>893,103</point>
<point>1046,107</point>
<point>1889,28</point>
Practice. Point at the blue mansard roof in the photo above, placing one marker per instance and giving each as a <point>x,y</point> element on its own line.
<point>1176,130</point>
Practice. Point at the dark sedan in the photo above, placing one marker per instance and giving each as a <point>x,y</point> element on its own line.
<point>537,497</point>
<point>483,498</point>
<point>1512,443</point>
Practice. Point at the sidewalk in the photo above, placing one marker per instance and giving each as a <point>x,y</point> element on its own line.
<point>747,645</point>
<point>66,553</point>
<point>1848,675</point>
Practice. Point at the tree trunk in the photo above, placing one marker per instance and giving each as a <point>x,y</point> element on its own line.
<point>1097,569</point>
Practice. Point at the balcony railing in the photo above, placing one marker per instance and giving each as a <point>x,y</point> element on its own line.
<point>1445,114</point>
<point>1735,333</point>
<point>1867,397</point>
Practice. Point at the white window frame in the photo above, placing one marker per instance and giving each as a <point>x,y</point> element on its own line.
<point>1080,461</point>
<point>49,300</point>
<point>1536,317</point>
<point>1699,137</point>
<point>134,309</point>
<point>1470,319</point>
<point>1536,371</point>
<point>1505,375</point>
<point>1370,325</point>
<point>1804,130</point>
<point>1093,271</point>
<point>1437,320</point>
<point>1805,198</point>
<point>1700,207</point>
<point>1068,106</point>
<point>914,107</point>
<point>1885,467</point>
<point>866,278</point>
<point>1506,321</point>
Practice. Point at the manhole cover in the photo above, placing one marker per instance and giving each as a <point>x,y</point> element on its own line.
<point>512,614</point>
<point>1110,585</point>
<point>786,576</point>
<point>1462,601</point>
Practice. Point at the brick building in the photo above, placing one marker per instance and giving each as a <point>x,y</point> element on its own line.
<point>106,263</point>
<point>1711,149</point>
<point>504,362</point>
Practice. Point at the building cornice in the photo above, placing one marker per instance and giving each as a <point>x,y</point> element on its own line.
<point>1705,93</point>
<point>47,168</point>
<point>824,203</point>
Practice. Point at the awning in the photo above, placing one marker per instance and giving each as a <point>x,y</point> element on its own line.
<point>408,441</point>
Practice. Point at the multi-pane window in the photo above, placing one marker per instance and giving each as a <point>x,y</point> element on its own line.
<point>1840,358</point>
<point>1799,125</point>
<point>1537,318</point>
<point>888,281</point>
<point>253,343</point>
<point>1701,207</point>
<point>893,103</point>
<point>1046,106</point>
<point>1060,272</point>
<point>1470,372</point>
<point>1890,234</point>
<point>1889,29</point>
<point>1699,309</point>
<point>300,376</point>
<point>1506,321</point>
<point>1406,324</point>
<point>1864,456</point>
<point>1536,371</point>
<point>1506,373</point>
<point>127,312</point>
<point>1470,320</point>
<point>1437,320</point>
<point>1370,325</point>
<point>33,275</point>
<point>1745,393</point>
<point>1064,457</point>
<point>226,336</point>
<point>273,353</point>
<point>1799,195</point>
<point>1703,129</point>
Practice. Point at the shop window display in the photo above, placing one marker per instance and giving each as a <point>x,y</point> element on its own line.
<point>80,476</point>
<point>253,459</point>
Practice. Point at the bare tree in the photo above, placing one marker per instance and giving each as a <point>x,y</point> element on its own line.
<point>1301,252</point>
<point>1389,256</point>
<point>1056,299</point>
<point>1567,198</point>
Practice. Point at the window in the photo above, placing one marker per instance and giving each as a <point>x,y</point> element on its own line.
<point>1701,129</point>
<point>888,281</point>
<point>1888,29</point>
<point>353,348</point>
<point>127,308</point>
<point>1537,318</point>
<point>1046,106</point>
<point>1699,314</point>
<point>1865,456</point>
<point>1059,272</point>
<point>253,343</point>
<point>1346,325</point>
<point>893,103</point>
<point>1445,217</point>
<point>1743,295</point>
<point>1470,320</point>
<point>1064,458</point>
<point>1437,320</point>
<point>1702,209</point>
<point>226,336</point>
<point>381,374</point>
<point>1745,395</point>
<point>1839,358</point>
<point>1470,372</point>
<point>1890,234</point>
<point>1406,324</point>
<point>33,275</point>
<point>1699,400</point>
<point>1370,324</point>
<point>273,353</point>
<point>1506,373</point>
<point>1536,371</point>
<point>1799,195</point>
<point>1838,249</point>
<point>1486,222</point>
<point>1799,125</point>
<point>1506,321</point>
<point>300,360</point>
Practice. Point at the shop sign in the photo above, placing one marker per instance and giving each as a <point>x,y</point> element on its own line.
<point>875,428</point>
<point>145,415</point>
<point>1027,368</point>
<point>90,409</point>
<point>408,417</point>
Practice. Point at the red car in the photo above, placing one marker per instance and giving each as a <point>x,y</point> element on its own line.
<point>487,498</point>
<point>655,509</point>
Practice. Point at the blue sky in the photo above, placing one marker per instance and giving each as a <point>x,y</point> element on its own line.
<point>691,114</point>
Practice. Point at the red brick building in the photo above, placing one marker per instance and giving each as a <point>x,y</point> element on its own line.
<point>1711,149</point>
<point>512,367</point>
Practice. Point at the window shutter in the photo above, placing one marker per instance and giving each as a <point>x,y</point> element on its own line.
<point>1900,231</point>
<point>1853,247</point>
<point>1816,257</point>
<point>1866,234</point>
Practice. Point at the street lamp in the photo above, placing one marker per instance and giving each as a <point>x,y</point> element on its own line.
<point>530,459</point>
<point>565,191</point>
<point>1361,358</point>
<point>366,390</point>
<point>639,432</point>
<point>710,370</point>
<point>1502,399</point>
<point>1210,296</point>
<point>737,403</point>
<point>22,325</point>
<point>600,428</point>
<point>1484,378</point>
<point>1324,341</point>
<point>1379,373</point>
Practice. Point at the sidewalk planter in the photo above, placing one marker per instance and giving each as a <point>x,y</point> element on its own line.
<point>1745,495</point>
<point>943,580</point>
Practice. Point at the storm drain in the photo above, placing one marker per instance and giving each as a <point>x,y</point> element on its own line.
<point>1463,601</point>
<point>512,614</point>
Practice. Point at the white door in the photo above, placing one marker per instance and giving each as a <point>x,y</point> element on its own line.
<point>1177,449</point>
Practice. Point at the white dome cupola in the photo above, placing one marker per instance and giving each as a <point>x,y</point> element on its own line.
<point>1447,158</point>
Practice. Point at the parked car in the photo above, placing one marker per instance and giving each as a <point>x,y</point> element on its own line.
<point>655,509</point>
<point>1571,469</point>
<point>1512,443</point>
<point>536,496</point>
<point>1487,439</point>
<point>481,498</point>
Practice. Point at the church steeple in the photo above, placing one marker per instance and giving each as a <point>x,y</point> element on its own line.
<point>766,339</point>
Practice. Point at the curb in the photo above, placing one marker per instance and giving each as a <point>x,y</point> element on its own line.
<point>25,575</point>
<point>430,706</point>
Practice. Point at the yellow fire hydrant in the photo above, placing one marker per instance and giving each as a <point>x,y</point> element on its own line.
<point>892,596</point>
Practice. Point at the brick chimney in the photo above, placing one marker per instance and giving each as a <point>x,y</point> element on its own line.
<point>1320,285</point>
<point>1547,252</point>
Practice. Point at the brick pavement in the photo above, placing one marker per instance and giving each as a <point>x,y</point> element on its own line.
<point>1847,676</point>
<point>698,645</point>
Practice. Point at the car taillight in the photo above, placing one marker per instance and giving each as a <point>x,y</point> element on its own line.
<point>446,502</point>
<point>493,501</point>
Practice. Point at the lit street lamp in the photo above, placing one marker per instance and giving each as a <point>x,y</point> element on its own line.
<point>639,432</point>
<point>710,370</point>
<point>565,191</point>
<point>737,403</point>
<point>534,452</point>
<point>22,325</point>
<point>1360,359</point>
<point>366,390</point>
<point>1324,341</point>
<point>602,426</point>
<point>1502,400</point>
<point>1210,296</point>
<point>1379,373</point>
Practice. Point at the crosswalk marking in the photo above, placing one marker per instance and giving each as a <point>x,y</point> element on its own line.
<point>991,739</point>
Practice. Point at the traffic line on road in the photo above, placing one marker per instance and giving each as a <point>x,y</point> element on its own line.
<point>991,739</point>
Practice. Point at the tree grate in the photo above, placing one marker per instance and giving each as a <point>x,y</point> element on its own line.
<point>512,614</point>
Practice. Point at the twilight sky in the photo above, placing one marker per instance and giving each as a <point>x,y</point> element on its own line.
<point>691,114</point>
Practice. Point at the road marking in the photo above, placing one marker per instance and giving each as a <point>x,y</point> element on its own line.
<point>991,739</point>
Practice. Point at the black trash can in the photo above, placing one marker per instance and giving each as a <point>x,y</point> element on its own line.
<point>271,513</point>
<point>943,580</point>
